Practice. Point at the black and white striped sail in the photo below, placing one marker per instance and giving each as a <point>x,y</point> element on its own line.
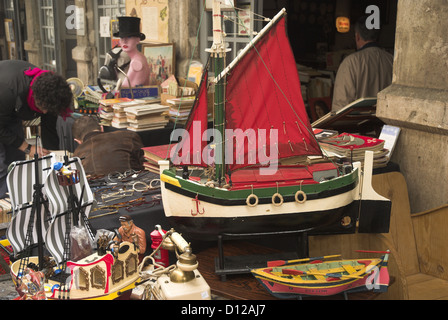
<point>58,195</point>
<point>55,207</point>
<point>18,228</point>
<point>21,180</point>
<point>60,210</point>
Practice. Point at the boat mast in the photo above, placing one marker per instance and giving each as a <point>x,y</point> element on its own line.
<point>218,54</point>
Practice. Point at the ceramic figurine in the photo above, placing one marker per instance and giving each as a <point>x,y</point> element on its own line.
<point>131,233</point>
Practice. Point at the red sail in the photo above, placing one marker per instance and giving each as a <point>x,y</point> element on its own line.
<point>190,149</point>
<point>263,92</point>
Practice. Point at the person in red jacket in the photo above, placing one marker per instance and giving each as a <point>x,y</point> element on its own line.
<point>26,93</point>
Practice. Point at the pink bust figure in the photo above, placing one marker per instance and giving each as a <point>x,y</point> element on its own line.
<point>130,36</point>
<point>138,73</point>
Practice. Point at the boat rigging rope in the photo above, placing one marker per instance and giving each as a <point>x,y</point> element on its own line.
<point>185,84</point>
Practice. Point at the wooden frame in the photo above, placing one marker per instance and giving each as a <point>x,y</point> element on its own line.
<point>9,30</point>
<point>244,18</point>
<point>161,60</point>
<point>114,41</point>
<point>225,4</point>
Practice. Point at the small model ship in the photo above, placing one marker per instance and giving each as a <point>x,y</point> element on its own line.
<point>51,201</point>
<point>225,187</point>
<point>96,277</point>
<point>324,278</point>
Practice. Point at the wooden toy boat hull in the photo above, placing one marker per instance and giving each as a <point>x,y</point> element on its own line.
<point>325,278</point>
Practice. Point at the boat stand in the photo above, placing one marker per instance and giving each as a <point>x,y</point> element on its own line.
<point>244,264</point>
<point>343,294</point>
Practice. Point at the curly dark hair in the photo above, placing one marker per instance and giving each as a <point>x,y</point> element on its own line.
<point>52,93</point>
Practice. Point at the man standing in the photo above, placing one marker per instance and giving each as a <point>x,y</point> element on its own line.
<point>365,72</point>
<point>26,93</point>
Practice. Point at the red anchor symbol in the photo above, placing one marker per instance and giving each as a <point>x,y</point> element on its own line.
<point>197,208</point>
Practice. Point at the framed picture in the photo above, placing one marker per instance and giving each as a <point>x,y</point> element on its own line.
<point>114,29</point>
<point>244,20</point>
<point>161,61</point>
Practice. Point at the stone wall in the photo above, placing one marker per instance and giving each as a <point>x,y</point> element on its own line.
<point>33,43</point>
<point>417,101</point>
<point>183,27</point>
<point>85,53</point>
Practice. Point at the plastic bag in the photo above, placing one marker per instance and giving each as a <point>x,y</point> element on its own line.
<point>81,244</point>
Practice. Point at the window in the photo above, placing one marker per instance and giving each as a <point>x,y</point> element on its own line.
<point>98,277</point>
<point>107,8</point>
<point>117,271</point>
<point>237,27</point>
<point>16,33</point>
<point>49,37</point>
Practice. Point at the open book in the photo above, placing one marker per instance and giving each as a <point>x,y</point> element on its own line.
<point>357,111</point>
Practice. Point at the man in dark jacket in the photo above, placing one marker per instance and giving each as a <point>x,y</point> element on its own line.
<point>26,93</point>
<point>106,152</point>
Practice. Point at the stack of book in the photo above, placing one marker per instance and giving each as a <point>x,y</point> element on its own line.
<point>120,119</point>
<point>107,111</point>
<point>179,109</point>
<point>147,117</point>
<point>353,147</point>
<point>154,154</point>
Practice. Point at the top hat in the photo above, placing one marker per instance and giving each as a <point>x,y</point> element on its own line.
<point>129,27</point>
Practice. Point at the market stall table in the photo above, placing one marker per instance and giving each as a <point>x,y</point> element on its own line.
<point>128,194</point>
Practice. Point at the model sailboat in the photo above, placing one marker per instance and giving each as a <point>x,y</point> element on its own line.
<point>324,278</point>
<point>260,121</point>
<point>48,205</point>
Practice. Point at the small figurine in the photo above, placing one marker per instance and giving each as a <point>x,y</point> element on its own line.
<point>31,285</point>
<point>58,166</point>
<point>131,233</point>
<point>130,36</point>
<point>69,174</point>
